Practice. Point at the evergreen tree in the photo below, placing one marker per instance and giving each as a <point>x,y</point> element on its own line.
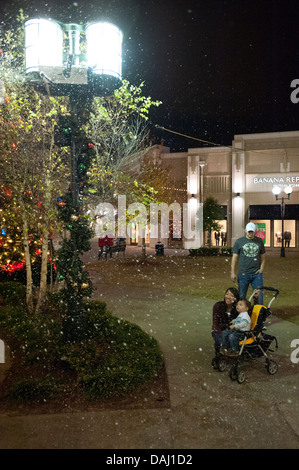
<point>212,212</point>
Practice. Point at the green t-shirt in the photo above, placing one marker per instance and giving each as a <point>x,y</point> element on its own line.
<point>249,252</point>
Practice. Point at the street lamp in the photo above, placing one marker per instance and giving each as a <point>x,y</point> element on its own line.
<point>56,64</point>
<point>48,56</point>
<point>276,191</point>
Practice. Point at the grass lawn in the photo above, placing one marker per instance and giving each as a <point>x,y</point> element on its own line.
<point>202,276</point>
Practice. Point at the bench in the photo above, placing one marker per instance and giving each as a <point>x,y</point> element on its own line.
<point>119,246</point>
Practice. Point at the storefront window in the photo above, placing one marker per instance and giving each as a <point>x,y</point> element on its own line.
<point>147,234</point>
<point>289,233</point>
<point>136,234</point>
<point>220,238</point>
<point>263,230</point>
<point>175,229</point>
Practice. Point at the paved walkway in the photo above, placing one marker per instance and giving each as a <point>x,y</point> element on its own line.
<point>207,410</point>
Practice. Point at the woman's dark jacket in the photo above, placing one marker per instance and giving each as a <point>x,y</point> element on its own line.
<point>221,319</point>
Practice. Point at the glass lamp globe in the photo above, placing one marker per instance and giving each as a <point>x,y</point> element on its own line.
<point>276,190</point>
<point>288,189</point>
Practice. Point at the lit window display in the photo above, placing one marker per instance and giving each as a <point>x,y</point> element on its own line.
<point>288,235</point>
<point>136,234</point>
<point>263,230</point>
<point>220,238</point>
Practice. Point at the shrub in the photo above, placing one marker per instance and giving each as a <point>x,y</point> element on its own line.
<point>13,292</point>
<point>214,251</point>
<point>33,390</point>
<point>117,358</point>
<point>114,357</point>
<point>38,336</point>
<point>19,275</point>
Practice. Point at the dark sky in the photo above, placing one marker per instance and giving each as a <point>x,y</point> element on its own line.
<point>220,67</point>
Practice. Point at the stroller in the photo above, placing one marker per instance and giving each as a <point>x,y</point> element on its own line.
<point>253,346</point>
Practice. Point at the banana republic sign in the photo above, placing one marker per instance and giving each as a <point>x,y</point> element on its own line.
<point>265,183</point>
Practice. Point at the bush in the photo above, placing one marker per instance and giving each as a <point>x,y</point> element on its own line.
<point>37,336</point>
<point>13,292</point>
<point>117,358</point>
<point>214,251</point>
<point>19,275</point>
<point>33,390</point>
<point>114,358</point>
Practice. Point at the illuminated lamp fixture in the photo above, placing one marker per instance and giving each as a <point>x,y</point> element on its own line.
<point>99,69</point>
<point>277,190</point>
<point>43,44</point>
<point>104,43</point>
<point>288,190</point>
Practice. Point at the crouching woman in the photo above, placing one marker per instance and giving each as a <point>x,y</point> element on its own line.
<point>224,312</point>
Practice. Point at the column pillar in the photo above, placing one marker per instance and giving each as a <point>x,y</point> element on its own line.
<point>194,198</point>
<point>238,191</point>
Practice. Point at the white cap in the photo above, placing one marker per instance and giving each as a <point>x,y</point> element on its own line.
<point>251,227</point>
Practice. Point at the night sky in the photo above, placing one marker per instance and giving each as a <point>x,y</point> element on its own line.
<point>220,67</point>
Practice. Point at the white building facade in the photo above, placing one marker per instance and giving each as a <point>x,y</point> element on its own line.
<point>241,178</point>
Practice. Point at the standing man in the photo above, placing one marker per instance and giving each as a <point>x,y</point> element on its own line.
<point>249,252</point>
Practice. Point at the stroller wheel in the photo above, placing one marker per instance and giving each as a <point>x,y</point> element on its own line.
<point>233,373</point>
<point>222,365</point>
<point>241,376</point>
<point>272,367</point>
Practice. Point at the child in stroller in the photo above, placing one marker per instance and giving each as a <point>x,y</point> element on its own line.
<point>254,345</point>
<point>232,335</point>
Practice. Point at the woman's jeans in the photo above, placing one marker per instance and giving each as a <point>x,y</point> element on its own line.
<point>218,340</point>
<point>256,281</point>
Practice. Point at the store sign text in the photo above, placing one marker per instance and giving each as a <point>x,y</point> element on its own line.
<point>277,180</point>
<point>265,182</point>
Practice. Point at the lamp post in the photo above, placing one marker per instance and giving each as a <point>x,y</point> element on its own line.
<point>57,67</point>
<point>53,71</point>
<point>276,191</point>
<point>97,72</point>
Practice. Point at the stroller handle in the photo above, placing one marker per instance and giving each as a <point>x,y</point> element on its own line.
<point>271,289</point>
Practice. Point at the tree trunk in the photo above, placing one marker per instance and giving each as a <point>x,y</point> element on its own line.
<point>45,243</point>
<point>143,247</point>
<point>209,239</point>
<point>44,271</point>
<point>51,264</point>
<point>29,292</point>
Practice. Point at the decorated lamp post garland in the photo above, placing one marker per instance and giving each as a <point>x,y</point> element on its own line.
<point>77,241</point>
